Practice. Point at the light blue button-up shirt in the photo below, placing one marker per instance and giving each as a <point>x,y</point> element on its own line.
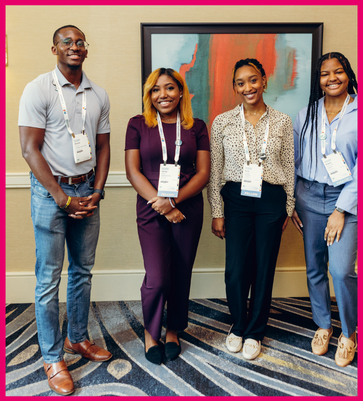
<point>346,143</point>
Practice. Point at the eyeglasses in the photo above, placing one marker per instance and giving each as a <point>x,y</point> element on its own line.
<point>68,43</point>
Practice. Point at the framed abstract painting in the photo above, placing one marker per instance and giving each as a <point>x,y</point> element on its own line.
<point>205,54</point>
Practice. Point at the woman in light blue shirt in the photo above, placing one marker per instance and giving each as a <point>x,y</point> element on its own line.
<point>325,134</point>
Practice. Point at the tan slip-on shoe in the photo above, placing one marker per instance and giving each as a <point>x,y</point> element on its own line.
<point>320,342</point>
<point>59,379</point>
<point>345,351</point>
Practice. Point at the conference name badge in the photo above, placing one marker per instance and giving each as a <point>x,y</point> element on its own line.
<point>337,168</point>
<point>81,148</point>
<point>169,178</point>
<point>252,180</point>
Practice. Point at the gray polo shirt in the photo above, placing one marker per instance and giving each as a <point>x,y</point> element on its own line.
<point>40,107</point>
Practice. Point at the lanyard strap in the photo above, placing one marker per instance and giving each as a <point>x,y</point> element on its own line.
<point>64,107</point>
<point>178,141</point>
<point>334,135</point>
<point>264,144</point>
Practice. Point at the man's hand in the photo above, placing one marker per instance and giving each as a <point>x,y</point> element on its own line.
<point>81,207</point>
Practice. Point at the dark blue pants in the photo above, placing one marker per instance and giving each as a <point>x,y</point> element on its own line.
<point>253,235</point>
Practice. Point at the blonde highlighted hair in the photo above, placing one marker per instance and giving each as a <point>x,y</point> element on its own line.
<point>185,105</point>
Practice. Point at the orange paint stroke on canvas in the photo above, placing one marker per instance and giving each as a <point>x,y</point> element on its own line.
<point>292,66</point>
<point>225,51</point>
<point>186,67</point>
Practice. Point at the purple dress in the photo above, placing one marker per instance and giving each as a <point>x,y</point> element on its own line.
<point>168,249</point>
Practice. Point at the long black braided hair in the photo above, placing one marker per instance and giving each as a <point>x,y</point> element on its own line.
<point>316,93</point>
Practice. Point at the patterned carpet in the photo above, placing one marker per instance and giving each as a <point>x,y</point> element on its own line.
<point>286,367</point>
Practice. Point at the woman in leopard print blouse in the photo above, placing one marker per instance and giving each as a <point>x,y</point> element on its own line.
<point>253,218</point>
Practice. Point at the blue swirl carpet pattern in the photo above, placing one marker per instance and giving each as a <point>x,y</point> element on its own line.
<point>286,366</point>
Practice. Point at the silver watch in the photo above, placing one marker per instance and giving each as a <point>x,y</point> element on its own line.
<point>339,210</point>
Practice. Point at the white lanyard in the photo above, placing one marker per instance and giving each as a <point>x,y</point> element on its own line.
<point>64,107</point>
<point>322,136</point>
<point>178,141</point>
<point>264,144</point>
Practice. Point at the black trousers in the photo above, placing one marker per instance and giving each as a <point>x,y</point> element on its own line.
<point>253,236</point>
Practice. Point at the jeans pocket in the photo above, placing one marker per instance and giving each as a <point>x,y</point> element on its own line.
<point>91,182</point>
<point>40,191</point>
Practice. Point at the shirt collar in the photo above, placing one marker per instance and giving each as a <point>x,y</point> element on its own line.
<point>64,81</point>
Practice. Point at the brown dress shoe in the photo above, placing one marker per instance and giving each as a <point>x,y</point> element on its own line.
<point>59,379</point>
<point>88,350</point>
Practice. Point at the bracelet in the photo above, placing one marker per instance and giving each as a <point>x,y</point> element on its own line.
<point>171,203</point>
<point>69,200</point>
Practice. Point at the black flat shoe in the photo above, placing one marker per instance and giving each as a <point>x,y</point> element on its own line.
<point>172,350</point>
<point>154,355</point>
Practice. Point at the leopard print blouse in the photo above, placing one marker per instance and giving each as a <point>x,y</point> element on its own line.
<point>228,154</point>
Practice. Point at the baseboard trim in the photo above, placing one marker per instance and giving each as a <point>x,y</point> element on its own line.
<point>115,285</point>
<point>22,180</point>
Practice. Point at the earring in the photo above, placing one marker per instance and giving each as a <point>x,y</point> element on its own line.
<point>181,96</point>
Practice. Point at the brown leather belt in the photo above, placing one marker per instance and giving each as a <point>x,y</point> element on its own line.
<point>74,180</point>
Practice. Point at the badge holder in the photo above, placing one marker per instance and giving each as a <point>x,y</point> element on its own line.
<point>337,169</point>
<point>252,180</point>
<point>334,163</point>
<point>81,148</point>
<point>169,178</point>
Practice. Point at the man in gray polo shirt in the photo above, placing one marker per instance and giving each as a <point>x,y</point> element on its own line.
<point>64,133</point>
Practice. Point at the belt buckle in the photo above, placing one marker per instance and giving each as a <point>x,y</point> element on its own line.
<point>69,180</point>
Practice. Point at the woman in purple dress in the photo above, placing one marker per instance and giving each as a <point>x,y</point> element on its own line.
<point>166,142</point>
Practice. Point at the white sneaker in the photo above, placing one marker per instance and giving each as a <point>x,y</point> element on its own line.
<point>234,343</point>
<point>251,349</point>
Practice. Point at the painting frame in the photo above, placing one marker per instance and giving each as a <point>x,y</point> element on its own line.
<point>216,29</point>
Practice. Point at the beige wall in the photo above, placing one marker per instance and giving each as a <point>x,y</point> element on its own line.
<point>115,63</point>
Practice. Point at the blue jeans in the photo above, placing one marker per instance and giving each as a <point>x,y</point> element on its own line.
<point>315,202</point>
<point>52,228</point>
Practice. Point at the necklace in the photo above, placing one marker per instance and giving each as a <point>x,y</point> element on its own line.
<point>168,119</point>
<point>257,112</point>
<point>252,113</point>
<point>333,112</point>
